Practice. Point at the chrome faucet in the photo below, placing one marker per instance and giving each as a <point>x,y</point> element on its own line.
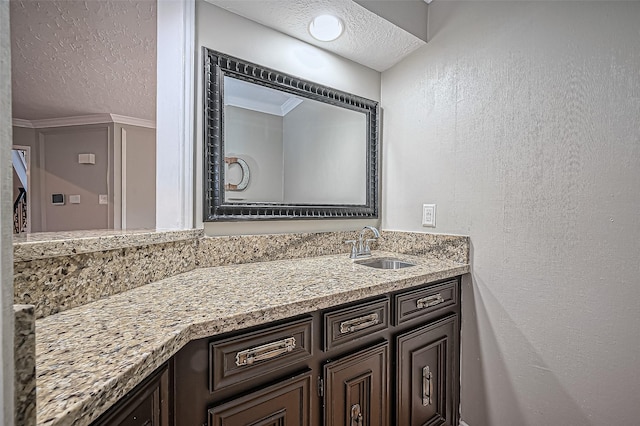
<point>363,249</point>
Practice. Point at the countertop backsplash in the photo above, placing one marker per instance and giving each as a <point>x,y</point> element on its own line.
<point>59,271</point>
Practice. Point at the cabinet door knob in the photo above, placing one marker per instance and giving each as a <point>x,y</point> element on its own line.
<point>356,415</point>
<point>427,386</point>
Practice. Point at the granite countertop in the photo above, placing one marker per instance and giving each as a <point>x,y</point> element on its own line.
<point>89,357</point>
<point>42,245</point>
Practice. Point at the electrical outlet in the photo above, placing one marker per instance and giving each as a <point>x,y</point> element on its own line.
<point>429,215</point>
<point>103,199</point>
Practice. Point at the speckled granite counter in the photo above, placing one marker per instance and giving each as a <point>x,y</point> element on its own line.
<point>104,263</point>
<point>25,365</point>
<point>43,245</point>
<point>90,356</point>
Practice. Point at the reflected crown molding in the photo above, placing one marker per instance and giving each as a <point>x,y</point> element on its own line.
<point>83,120</point>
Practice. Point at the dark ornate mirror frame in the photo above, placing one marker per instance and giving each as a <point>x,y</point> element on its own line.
<point>216,67</point>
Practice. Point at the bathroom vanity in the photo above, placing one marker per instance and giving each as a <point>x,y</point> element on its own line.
<point>198,346</point>
<point>383,359</point>
<point>386,360</point>
<point>185,333</point>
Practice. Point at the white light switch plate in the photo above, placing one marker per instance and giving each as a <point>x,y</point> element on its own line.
<point>74,199</point>
<point>429,215</point>
<point>103,199</point>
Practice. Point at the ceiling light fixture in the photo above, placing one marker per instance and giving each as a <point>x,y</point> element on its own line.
<point>326,27</point>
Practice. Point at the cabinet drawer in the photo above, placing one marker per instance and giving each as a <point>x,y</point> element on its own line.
<point>287,403</point>
<point>348,324</point>
<point>416,303</point>
<point>257,354</point>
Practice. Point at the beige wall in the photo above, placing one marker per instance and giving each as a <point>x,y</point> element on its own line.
<point>521,120</point>
<point>61,173</point>
<point>54,162</point>
<point>228,33</point>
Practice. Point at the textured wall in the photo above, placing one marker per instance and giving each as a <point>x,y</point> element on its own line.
<point>521,120</point>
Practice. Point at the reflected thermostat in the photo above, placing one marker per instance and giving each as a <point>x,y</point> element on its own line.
<point>57,199</point>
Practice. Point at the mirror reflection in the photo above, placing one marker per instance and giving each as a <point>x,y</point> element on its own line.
<point>283,148</point>
<point>83,95</point>
<point>280,147</point>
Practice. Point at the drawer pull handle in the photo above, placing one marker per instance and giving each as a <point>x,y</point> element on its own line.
<point>264,352</point>
<point>427,302</point>
<point>427,386</point>
<point>359,323</point>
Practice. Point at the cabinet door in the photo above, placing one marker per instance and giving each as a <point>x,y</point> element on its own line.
<point>146,405</point>
<point>287,403</point>
<point>427,374</point>
<point>357,389</point>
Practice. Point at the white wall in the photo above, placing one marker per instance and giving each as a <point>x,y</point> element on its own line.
<point>6,218</point>
<point>228,33</point>
<point>134,172</point>
<point>253,136</point>
<point>174,115</point>
<point>521,120</point>
<point>320,144</point>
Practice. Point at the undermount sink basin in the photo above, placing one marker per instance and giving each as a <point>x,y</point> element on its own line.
<point>385,263</point>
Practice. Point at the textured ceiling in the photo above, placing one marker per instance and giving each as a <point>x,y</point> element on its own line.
<point>368,39</point>
<point>75,57</point>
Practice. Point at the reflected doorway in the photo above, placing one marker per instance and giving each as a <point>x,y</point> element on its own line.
<point>21,160</point>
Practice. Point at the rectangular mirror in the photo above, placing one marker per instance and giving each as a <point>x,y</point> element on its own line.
<point>279,147</point>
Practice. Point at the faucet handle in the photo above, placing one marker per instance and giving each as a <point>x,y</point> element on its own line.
<point>354,251</point>
<point>367,247</point>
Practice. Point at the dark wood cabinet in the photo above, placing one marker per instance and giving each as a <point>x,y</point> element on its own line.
<point>256,354</point>
<point>146,405</point>
<point>346,325</point>
<point>356,388</point>
<point>427,374</point>
<point>287,403</point>
<point>388,360</point>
